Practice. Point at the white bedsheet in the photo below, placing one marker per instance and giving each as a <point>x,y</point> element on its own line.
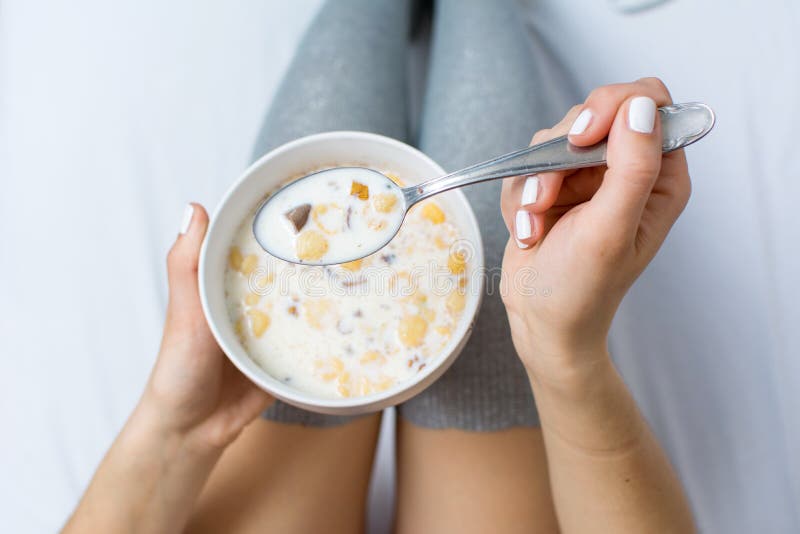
<point>709,338</point>
<point>114,114</point>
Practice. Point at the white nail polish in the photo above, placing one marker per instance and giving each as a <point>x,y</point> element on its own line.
<point>581,123</point>
<point>523,224</point>
<point>642,114</point>
<point>520,244</point>
<point>187,218</point>
<point>530,192</point>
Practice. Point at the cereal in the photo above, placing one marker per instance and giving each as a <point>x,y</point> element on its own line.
<point>249,263</point>
<point>384,202</point>
<point>311,245</point>
<point>235,258</point>
<point>357,189</point>
<point>259,322</point>
<point>330,218</point>
<point>455,302</point>
<point>412,330</point>
<point>444,330</point>
<point>396,179</point>
<point>354,265</point>
<point>432,212</point>
<point>318,313</point>
<point>384,384</point>
<point>364,386</point>
<point>457,262</point>
<point>252,299</point>
<point>377,225</point>
<point>261,282</point>
<point>371,356</point>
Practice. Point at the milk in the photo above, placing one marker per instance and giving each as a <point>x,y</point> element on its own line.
<point>353,329</point>
<point>349,226</point>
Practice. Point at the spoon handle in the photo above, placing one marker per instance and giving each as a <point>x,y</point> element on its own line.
<point>681,125</point>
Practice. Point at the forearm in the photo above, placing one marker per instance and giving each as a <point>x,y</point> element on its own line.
<point>608,472</point>
<point>147,482</point>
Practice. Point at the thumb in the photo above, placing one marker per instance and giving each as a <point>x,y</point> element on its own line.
<point>182,262</point>
<point>634,163</point>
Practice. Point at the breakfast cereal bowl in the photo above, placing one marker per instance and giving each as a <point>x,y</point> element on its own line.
<point>288,329</point>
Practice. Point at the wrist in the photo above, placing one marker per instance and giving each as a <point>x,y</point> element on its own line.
<point>557,357</point>
<point>156,424</point>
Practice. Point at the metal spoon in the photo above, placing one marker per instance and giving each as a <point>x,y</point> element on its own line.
<point>681,125</point>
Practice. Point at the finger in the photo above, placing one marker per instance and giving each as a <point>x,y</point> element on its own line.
<point>572,189</point>
<point>182,262</point>
<point>634,163</point>
<point>667,201</point>
<point>539,190</point>
<point>524,229</point>
<point>597,114</point>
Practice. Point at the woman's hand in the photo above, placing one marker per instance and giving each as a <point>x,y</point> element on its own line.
<point>195,404</point>
<point>584,236</point>
<point>194,390</point>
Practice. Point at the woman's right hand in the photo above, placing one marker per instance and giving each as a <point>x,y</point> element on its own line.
<point>590,232</point>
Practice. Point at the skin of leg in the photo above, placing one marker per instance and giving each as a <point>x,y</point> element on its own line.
<point>458,481</point>
<point>279,477</point>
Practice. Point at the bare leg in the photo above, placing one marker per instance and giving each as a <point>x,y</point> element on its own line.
<point>290,478</point>
<point>459,481</point>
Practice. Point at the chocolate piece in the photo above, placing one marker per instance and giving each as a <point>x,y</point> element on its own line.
<point>298,216</point>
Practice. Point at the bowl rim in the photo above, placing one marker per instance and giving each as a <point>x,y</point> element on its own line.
<point>351,405</point>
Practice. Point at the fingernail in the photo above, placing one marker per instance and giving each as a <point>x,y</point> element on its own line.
<point>520,244</point>
<point>642,114</point>
<point>187,218</point>
<point>581,123</point>
<point>523,225</point>
<point>530,192</point>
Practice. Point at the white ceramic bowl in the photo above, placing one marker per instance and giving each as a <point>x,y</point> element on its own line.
<point>299,158</point>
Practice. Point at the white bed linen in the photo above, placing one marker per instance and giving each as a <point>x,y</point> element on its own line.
<point>709,337</point>
<point>114,114</point>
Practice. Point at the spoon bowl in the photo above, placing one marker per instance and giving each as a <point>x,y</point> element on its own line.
<point>350,227</point>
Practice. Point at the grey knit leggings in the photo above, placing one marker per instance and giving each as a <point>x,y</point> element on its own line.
<point>484,96</point>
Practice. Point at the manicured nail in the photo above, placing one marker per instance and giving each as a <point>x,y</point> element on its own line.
<point>187,218</point>
<point>642,114</point>
<point>523,225</point>
<point>581,123</point>
<point>531,190</point>
<point>520,244</point>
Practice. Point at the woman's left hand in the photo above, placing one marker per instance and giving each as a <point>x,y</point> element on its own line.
<point>194,390</point>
